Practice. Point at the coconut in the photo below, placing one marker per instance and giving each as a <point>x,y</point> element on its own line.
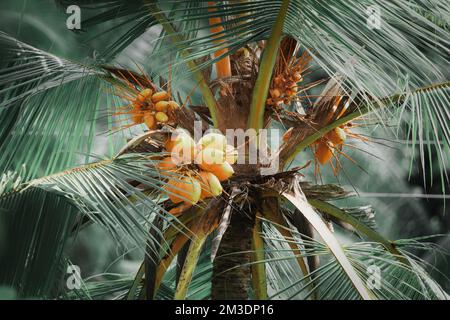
<point>161,106</point>
<point>212,140</point>
<point>211,186</point>
<point>222,171</point>
<point>161,117</point>
<point>159,96</point>
<point>231,154</point>
<point>323,153</point>
<point>144,94</point>
<point>337,136</point>
<point>187,190</point>
<point>181,145</point>
<point>173,105</point>
<point>208,157</point>
<point>167,164</point>
<point>149,120</point>
<point>275,93</point>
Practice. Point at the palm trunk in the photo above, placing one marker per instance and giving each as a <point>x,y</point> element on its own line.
<point>232,271</point>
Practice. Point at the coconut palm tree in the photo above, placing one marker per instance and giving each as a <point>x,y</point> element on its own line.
<point>321,72</point>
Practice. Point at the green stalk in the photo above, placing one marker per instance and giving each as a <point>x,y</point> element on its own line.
<point>208,96</point>
<point>259,96</point>
<point>258,266</point>
<point>189,266</point>
<point>137,280</point>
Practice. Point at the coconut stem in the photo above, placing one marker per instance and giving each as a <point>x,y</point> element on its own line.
<point>231,270</point>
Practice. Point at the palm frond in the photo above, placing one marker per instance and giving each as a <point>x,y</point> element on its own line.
<point>102,191</point>
<point>48,111</point>
<point>425,113</point>
<point>338,35</point>
<point>35,226</point>
<point>384,275</point>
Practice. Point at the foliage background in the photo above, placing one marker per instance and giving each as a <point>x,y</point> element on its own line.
<point>397,195</point>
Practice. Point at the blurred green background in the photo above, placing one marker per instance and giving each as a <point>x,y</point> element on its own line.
<point>398,196</point>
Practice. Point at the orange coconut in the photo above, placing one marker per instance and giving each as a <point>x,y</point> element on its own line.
<point>173,105</point>
<point>137,116</point>
<point>144,94</point>
<point>337,136</point>
<point>209,157</point>
<point>186,189</point>
<point>323,152</point>
<point>159,96</point>
<point>161,106</point>
<point>231,154</point>
<point>149,120</point>
<point>167,165</point>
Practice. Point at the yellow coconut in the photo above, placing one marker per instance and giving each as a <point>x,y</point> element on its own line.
<point>337,136</point>
<point>181,145</point>
<point>161,117</point>
<point>208,157</point>
<point>187,190</point>
<point>161,106</point>
<point>212,140</point>
<point>222,171</point>
<point>323,152</point>
<point>144,94</point>
<point>159,96</point>
<point>211,186</point>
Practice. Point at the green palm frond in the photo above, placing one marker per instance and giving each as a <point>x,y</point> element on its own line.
<point>117,286</point>
<point>337,31</point>
<point>35,226</point>
<point>427,118</point>
<point>48,111</point>
<point>103,192</point>
<point>396,280</point>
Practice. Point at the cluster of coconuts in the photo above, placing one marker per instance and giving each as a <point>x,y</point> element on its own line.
<point>195,170</point>
<point>152,108</point>
<point>324,146</point>
<point>285,87</point>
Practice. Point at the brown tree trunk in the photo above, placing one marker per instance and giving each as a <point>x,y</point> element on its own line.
<point>231,270</point>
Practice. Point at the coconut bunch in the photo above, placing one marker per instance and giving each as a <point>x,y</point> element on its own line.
<point>285,83</point>
<point>331,143</point>
<point>195,171</point>
<point>152,108</point>
<point>324,147</point>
